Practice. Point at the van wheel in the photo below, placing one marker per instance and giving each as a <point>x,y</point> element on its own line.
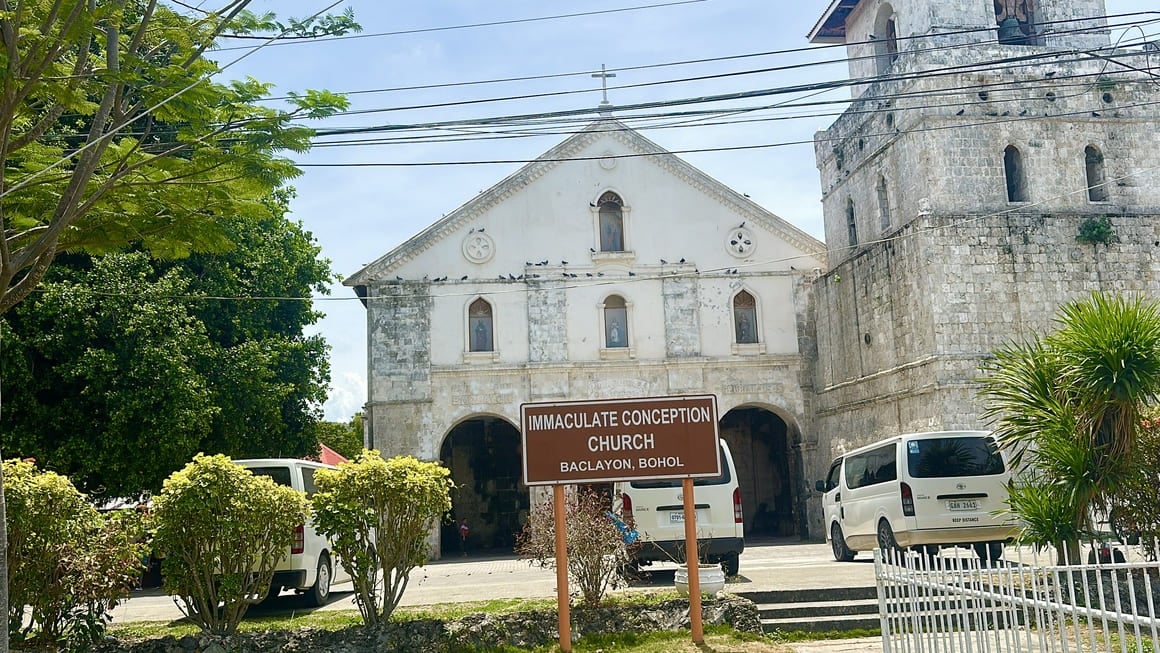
<point>886,540</point>
<point>316,596</point>
<point>988,551</point>
<point>842,553</point>
<point>731,564</point>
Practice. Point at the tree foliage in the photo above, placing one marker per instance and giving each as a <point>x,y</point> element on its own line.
<point>112,132</point>
<point>1069,407</point>
<point>346,439</point>
<point>378,514</point>
<point>223,530</point>
<point>596,546</point>
<point>123,367</point>
<point>68,563</point>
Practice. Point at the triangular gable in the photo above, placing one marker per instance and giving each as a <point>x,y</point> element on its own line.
<point>566,152</point>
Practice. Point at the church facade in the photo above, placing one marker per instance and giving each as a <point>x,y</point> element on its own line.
<point>607,268</point>
<point>999,158</point>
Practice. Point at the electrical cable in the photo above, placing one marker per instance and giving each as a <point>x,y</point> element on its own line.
<point>424,30</point>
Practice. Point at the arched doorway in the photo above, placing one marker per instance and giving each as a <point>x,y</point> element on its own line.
<point>768,470</point>
<point>483,454</point>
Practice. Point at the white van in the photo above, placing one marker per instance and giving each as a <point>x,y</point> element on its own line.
<point>919,490</point>
<point>656,510</point>
<point>308,567</point>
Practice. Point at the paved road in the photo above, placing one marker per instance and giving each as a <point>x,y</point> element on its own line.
<point>773,564</point>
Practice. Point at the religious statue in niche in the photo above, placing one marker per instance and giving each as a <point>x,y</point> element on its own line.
<point>615,334</point>
<point>482,337</point>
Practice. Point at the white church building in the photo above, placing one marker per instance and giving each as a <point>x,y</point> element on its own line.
<point>963,202</point>
<point>607,268</point>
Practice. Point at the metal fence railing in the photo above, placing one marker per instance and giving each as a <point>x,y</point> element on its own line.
<point>953,601</point>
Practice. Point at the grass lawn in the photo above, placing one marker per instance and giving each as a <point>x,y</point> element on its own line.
<point>720,639</point>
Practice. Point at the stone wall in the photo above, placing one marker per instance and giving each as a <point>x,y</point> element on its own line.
<point>904,325</point>
<point>532,629</point>
<point>682,324</point>
<point>547,319</point>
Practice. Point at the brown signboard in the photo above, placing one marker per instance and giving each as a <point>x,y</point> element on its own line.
<point>620,439</point>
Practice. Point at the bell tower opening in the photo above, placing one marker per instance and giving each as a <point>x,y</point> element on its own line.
<point>1016,21</point>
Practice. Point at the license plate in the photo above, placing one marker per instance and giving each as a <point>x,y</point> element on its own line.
<point>678,517</point>
<point>962,505</point>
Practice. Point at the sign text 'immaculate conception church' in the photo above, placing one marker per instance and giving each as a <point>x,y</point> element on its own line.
<point>620,439</point>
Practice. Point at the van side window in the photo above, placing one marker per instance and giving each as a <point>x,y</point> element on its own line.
<point>950,457</point>
<point>308,481</point>
<point>834,475</point>
<point>872,467</point>
<point>280,475</point>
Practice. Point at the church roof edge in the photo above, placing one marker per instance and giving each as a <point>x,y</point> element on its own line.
<point>554,157</point>
<point>831,27</point>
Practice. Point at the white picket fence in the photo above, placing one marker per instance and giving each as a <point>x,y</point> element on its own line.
<point>955,602</point>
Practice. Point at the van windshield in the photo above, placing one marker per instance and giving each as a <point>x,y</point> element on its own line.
<point>697,482</point>
<point>281,475</point>
<point>948,457</point>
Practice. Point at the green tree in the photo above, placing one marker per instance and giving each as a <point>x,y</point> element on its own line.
<point>112,132</point>
<point>223,531</point>
<point>123,367</point>
<point>1069,407</point>
<point>378,513</point>
<point>346,439</point>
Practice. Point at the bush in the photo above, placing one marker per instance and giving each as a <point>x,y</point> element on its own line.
<point>67,563</point>
<point>223,530</point>
<point>596,546</point>
<point>378,514</point>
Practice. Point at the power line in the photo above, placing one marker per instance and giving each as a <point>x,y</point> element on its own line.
<point>810,49</point>
<point>423,30</point>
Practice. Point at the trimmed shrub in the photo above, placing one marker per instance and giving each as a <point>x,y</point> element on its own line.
<point>67,563</point>
<point>223,531</point>
<point>378,514</point>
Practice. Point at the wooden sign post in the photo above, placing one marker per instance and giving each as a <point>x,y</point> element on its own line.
<point>563,610</point>
<point>651,438</point>
<point>692,561</point>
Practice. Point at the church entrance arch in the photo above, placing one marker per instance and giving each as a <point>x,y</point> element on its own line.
<point>768,470</point>
<point>483,454</point>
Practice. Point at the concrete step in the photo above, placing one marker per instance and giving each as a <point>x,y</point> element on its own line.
<point>828,609</point>
<point>822,624</point>
<point>813,609</point>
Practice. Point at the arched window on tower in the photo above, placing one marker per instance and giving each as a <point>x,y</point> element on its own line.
<point>615,322</point>
<point>851,223</point>
<point>1015,175</point>
<point>745,318</point>
<point>1093,161</point>
<point>480,327</point>
<point>611,222</point>
<point>883,203</point>
<point>885,39</point>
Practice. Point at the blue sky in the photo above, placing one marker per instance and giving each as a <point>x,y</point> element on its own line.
<point>358,214</point>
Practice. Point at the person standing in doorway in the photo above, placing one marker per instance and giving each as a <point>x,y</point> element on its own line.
<point>464,531</point>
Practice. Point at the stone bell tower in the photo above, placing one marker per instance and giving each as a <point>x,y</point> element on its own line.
<point>999,157</point>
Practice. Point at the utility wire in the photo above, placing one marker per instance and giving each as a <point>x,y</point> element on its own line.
<point>558,283</point>
<point>424,30</point>
<point>769,53</point>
